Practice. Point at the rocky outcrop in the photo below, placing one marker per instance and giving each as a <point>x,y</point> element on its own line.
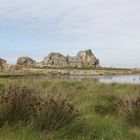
<point>25,61</point>
<point>2,63</point>
<point>6,67</point>
<point>83,58</point>
<point>88,58</point>
<point>56,60</point>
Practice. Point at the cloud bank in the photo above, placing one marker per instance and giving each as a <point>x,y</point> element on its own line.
<point>35,27</point>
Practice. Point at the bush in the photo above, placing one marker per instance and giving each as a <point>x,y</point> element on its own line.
<point>129,111</point>
<point>23,104</point>
<point>17,103</point>
<point>55,113</point>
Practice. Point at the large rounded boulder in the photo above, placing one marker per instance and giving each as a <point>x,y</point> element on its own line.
<point>56,60</point>
<point>88,58</point>
<point>25,61</point>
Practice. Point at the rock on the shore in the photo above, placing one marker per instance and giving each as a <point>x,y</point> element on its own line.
<point>56,60</point>
<point>88,58</point>
<point>2,63</point>
<point>25,61</point>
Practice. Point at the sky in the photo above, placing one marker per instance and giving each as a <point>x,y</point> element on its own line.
<point>110,28</point>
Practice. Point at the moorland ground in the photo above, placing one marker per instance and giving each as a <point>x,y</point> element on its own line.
<point>73,110</point>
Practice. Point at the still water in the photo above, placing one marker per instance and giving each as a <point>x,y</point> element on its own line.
<point>133,79</point>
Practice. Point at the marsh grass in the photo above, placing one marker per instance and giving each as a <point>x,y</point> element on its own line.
<point>129,111</point>
<point>86,124</point>
<point>22,104</point>
<point>56,113</point>
<point>61,106</point>
<point>17,103</point>
<point>107,105</point>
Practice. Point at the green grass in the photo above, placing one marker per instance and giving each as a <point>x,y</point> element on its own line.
<point>53,71</point>
<point>82,68</point>
<point>97,104</point>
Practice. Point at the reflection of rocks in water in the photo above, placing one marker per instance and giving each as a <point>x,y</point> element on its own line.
<point>102,79</point>
<point>93,79</point>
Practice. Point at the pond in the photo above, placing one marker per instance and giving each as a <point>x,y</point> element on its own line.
<point>132,79</point>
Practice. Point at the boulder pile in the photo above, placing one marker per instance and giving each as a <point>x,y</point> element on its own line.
<point>82,59</point>
<point>25,61</point>
<point>88,58</point>
<point>56,60</point>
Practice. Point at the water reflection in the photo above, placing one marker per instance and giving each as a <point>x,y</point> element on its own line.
<point>133,79</point>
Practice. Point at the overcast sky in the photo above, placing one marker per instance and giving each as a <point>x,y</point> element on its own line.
<point>111,28</point>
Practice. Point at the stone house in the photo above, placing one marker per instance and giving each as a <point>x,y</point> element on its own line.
<point>82,59</point>
<point>75,62</point>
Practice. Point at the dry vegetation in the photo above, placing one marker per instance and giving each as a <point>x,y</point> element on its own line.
<point>57,110</point>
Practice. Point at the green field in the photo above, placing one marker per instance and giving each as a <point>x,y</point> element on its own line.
<point>92,111</point>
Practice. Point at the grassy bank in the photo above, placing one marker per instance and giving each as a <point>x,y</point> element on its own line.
<point>34,72</point>
<point>104,111</point>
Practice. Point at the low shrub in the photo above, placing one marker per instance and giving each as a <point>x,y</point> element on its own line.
<point>23,104</point>
<point>129,111</point>
<point>17,103</point>
<point>55,113</point>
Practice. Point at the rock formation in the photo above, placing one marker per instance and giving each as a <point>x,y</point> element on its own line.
<point>56,60</point>
<point>25,61</point>
<point>83,58</point>
<point>2,63</point>
<point>88,58</point>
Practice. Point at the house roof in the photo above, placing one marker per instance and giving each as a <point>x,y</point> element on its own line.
<point>74,60</point>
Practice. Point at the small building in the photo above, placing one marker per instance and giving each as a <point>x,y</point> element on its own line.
<point>75,62</point>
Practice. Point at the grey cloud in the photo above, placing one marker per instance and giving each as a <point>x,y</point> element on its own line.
<point>106,26</point>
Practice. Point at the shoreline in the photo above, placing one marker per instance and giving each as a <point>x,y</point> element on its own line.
<point>35,72</point>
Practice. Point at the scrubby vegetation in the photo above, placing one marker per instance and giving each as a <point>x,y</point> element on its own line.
<point>129,110</point>
<point>68,110</point>
<point>23,104</point>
